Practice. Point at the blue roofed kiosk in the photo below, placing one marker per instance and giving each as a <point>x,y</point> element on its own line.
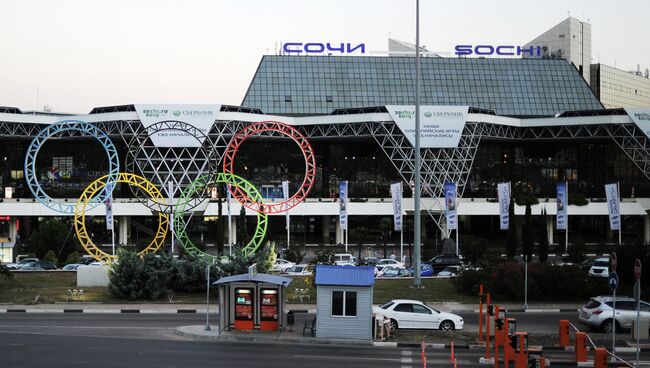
<point>253,301</point>
<point>344,295</point>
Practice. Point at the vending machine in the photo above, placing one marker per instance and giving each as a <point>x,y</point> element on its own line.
<point>244,309</point>
<point>269,309</point>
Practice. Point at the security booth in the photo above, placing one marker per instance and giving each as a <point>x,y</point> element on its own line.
<point>344,301</point>
<point>253,301</point>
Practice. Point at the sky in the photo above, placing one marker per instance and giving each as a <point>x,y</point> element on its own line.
<point>74,55</point>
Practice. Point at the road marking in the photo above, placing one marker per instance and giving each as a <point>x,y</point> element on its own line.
<point>347,358</point>
<point>406,360</point>
<point>407,353</point>
<point>87,327</point>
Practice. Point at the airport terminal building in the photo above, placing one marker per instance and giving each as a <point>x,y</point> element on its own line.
<point>533,122</point>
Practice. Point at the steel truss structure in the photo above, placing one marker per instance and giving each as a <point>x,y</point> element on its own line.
<point>438,165</point>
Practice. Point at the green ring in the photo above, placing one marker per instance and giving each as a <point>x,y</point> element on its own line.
<point>195,188</point>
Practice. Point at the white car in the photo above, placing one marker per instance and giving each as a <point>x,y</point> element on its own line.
<point>21,263</point>
<point>390,262</point>
<point>282,265</point>
<point>449,271</point>
<point>299,270</point>
<point>344,259</point>
<point>600,267</point>
<point>413,314</point>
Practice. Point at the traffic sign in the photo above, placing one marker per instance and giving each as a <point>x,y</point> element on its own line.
<point>612,261</point>
<point>613,281</point>
<point>637,269</point>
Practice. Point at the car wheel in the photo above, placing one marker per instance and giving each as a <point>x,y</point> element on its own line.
<point>393,325</point>
<point>607,326</point>
<point>447,325</point>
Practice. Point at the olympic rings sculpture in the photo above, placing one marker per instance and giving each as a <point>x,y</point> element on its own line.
<point>198,186</point>
<point>136,145</point>
<point>67,126</point>
<point>296,136</point>
<point>98,186</point>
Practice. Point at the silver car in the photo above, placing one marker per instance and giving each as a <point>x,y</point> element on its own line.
<point>597,313</point>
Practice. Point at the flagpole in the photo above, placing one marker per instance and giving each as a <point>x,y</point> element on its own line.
<point>229,222</point>
<point>620,216</point>
<point>566,231</point>
<point>457,220</point>
<point>401,228</point>
<point>416,174</point>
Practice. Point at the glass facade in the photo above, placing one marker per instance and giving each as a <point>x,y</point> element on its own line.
<point>514,87</point>
<point>618,88</point>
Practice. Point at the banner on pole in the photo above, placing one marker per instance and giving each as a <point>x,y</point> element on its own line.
<point>396,194</point>
<point>562,198</point>
<point>450,206</point>
<point>613,206</point>
<point>343,202</point>
<point>285,194</point>
<point>503,192</point>
<point>109,206</point>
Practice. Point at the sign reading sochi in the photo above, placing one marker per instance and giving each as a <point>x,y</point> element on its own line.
<point>318,48</point>
<point>502,50</point>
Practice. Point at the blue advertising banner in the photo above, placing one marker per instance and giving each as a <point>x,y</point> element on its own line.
<point>562,203</point>
<point>450,206</point>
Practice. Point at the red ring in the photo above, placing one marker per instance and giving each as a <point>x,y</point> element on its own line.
<point>296,136</point>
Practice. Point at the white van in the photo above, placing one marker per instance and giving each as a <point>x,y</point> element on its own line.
<point>344,259</point>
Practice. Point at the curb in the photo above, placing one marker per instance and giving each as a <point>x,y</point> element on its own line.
<point>102,311</point>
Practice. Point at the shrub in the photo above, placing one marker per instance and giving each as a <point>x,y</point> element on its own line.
<point>324,256</point>
<point>5,273</point>
<point>292,255</point>
<point>50,256</point>
<point>545,282</point>
<point>473,248</point>
<point>135,278</point>
<point>72,258</point>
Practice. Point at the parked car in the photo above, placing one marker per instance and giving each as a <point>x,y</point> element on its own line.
<point>370,261</point>
<point>439,263</point>
<point>31,266</point>
<point>281,265</point>
<point>425,270</point>
<point>71,266</point>
<point>38,265</point>
<point>344,259</point>
<point>22,262</point>
<point>390,262</point>
<point>449,271</point>
<point>413,314</point>
<point>391,272</point>
<point>587,263</point>
<point>600,267</point>
<point>299,270</point>
<point>597,313</point>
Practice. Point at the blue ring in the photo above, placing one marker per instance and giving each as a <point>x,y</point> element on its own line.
<point>56,128</point>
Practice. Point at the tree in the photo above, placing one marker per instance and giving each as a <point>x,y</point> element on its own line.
<point>543,238</point>
<point>385,228</point>
<point>324,256</point>
<point>511,244</point>
<point>53,234</point>
<point>242,227</point>
<point>136,278</point>
<point>50,256</point>
<point>73,257</point>
<point>527,234</point>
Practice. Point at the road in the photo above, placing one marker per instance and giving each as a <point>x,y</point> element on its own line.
<point>139,340</point>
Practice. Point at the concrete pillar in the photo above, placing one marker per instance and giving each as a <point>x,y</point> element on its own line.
<point>124,230</point>
<point>326,230</point>
<point>646,229</point>
<point>549,228</point>
<point>339,235</point>
<point>13,228</point>
<point>234,229</point>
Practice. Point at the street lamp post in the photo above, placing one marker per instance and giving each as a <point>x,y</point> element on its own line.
<point>416,178</point>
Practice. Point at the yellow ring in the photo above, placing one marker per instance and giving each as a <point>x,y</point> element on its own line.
<point>98,185</point>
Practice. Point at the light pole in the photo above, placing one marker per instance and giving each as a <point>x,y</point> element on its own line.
<point>207,298</point>
<point>416,178</point>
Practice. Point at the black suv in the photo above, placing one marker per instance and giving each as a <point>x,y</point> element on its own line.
<point>440,262</point>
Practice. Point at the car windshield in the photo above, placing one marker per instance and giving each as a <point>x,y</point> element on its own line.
<point>601,264</point>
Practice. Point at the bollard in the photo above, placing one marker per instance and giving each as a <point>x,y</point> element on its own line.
<point>452,356</point>
<point>581,346</point>
<point>600,358</point>
<point>541,362</point>
<point>564,333</point>
<point>487,325</point>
